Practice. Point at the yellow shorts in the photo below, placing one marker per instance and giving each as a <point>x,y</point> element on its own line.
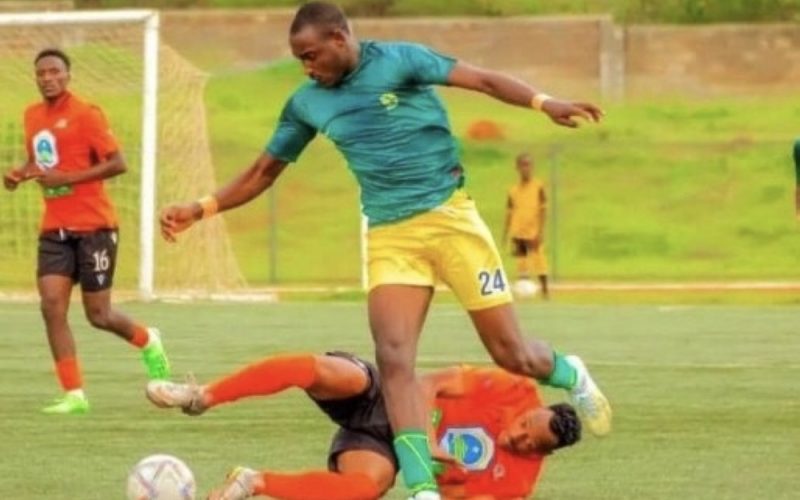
<point>449,244</point>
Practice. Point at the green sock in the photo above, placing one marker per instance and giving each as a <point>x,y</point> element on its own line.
<point>563,375</point>
<point>416,464</point>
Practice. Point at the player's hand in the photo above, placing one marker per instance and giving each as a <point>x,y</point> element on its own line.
<point>178,218</point>
<point>11,179</point>
<point>564,113</point>
<point>444,461</point>
<point>16,176</point>
<point>53,178</point>
<point>536,242</point>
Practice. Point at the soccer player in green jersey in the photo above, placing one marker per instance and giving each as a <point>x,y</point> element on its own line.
<point>375,101</point>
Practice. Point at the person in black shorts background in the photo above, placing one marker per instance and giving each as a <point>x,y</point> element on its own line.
<point>70,152</point>
<point>467,405</point>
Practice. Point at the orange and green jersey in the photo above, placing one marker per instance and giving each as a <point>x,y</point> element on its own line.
<point>525,201</point>
<point>71,135</point>
<point>468,428</point>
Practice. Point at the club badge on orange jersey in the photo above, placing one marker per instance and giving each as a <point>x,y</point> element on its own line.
<point>471,446</point>
<point>45,150</point>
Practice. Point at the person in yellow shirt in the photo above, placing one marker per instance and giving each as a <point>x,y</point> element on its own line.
<point>526,216</point>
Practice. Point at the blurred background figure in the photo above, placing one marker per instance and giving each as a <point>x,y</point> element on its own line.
<point>797,178</point>
<point>526,217</point>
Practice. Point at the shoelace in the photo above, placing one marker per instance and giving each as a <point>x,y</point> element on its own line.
<point>195,406</point>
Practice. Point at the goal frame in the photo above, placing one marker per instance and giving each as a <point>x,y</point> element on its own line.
<point>147,202</point>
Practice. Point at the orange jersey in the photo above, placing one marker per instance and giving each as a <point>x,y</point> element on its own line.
<point>469,428</point>
<point>71,135</point>
<point>526,202</point>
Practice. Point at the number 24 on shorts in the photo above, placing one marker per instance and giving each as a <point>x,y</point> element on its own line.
<point>492,281</point>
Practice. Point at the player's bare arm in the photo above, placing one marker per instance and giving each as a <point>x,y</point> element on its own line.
<point>518,93</point>
<point>113,166</point>
<point>447,383</point>
<point>247,186</point>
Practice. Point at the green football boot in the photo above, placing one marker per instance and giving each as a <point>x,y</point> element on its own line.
<point>70,404</point>
<point>154,357</point>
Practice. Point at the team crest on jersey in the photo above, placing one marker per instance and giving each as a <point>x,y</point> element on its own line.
<point>471,446</point>
<point>62,123</point>
<point>389,100</point>
<point>44,149</point>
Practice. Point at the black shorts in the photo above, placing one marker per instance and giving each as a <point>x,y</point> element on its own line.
<point>89,258</point>
<point>362,420</point>
<point>520,247</point>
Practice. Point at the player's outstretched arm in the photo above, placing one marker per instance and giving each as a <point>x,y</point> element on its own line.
<point>249,184</point>
<point>518,93</point>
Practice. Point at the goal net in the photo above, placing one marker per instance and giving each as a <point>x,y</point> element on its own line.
<point>116,58</point>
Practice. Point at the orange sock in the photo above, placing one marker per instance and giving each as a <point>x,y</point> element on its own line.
<point>265,377</point>
<point>140,336</point>
<point>69,373</point>
<point>321,485</point>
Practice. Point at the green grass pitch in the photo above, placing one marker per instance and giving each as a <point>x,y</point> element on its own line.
<point>704,397</point>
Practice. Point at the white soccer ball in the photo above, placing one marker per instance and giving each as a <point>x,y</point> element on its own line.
<point>525,288</point>
<point>161,477</point>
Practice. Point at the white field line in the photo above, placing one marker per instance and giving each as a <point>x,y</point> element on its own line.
<point>272,294</point>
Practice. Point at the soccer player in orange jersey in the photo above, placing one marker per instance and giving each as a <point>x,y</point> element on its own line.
<point>490,428</point>
<point>526,216</point>
<point>71,151</point>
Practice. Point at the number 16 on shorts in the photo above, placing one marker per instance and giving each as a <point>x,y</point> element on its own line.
<point>492,282</point>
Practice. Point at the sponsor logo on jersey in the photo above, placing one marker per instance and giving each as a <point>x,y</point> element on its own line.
<point>471,446</point>
<point>389,100</point>
<point>45,152</point>
<point>499,472</point>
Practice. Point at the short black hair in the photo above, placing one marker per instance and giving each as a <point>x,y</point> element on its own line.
<point>319,14</point>
<point>52,52</point>
<point>565,424</point>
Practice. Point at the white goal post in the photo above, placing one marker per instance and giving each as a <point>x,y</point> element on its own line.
<point>113,52</point>
<point>150,22</point>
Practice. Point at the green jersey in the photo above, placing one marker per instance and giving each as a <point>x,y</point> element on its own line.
<point>388,123</point>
